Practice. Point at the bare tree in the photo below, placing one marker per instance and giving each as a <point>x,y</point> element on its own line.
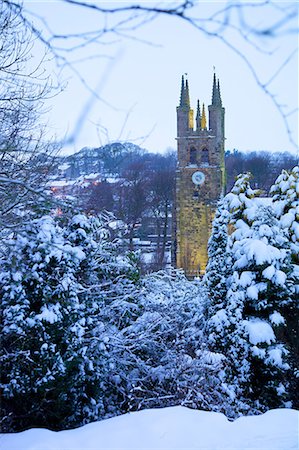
<point>161,187</point>
<point>24,157</point>
<point>101,198</point>
<point>132,198</point>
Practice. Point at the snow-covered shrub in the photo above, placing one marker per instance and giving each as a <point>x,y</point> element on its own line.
<point>163,352</point>
<point>56,284</point>
<point>108,298</point>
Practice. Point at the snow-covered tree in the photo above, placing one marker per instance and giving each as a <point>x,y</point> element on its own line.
<point>26,159</point>
<point>240,200</point>
<point>40,307</point>
<point>217,274</point>
<point>108,304</point>
<point>57,284</point>
<point>285,193</point>
<point>255,301</point>
<point>250,326</point>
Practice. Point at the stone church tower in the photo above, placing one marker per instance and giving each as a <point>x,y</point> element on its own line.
<point>199,181</point>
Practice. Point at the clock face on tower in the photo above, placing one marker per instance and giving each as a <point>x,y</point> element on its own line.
<point>198,178</point>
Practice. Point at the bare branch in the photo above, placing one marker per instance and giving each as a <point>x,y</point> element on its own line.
<point>123,21</point>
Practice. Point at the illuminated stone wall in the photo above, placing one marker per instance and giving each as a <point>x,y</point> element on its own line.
<point>194,215</point>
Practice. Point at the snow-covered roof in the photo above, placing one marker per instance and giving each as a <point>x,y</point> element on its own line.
<point>61,183</point>
<point>91,176</point>
<point>64,166</point>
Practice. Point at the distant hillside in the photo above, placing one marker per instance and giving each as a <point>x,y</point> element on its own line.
<point>109,159</point>
<point>116,158</point>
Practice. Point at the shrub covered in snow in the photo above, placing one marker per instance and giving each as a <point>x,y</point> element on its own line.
<point>55,285</point>
<point>164,349</point>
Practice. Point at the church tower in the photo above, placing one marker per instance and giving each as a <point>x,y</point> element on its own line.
<point>200,179</point>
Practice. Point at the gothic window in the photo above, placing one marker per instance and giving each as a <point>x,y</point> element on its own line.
<point>193,155</point>
<point>205,159</point>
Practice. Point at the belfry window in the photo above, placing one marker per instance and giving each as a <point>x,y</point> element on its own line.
<point>205,159</point>
<point>193,159</point>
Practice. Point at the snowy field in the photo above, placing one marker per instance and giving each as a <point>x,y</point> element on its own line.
<point>168,428</point>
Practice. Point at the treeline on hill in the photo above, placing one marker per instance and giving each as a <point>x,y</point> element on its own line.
<point>264,167</point>
<point>85,337</point>
<point>117,158</point>
<point>138,188</point>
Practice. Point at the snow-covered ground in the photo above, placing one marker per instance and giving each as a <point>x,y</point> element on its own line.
<point>168,428</point>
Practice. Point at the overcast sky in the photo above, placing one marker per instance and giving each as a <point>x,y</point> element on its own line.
<point>139,82</point>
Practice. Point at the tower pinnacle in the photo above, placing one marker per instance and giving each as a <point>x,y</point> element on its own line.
<point>198,117</point>
<point>203,118</point>
<point>182,91</point>
<point>187,94</point>
<point>185,98</point>
<point>216,99</point>
<point>218,87</point>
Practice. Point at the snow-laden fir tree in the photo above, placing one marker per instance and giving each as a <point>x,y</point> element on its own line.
<point>224,319</point>
<point>252,328</point>
<point>258,289</point>
<point>217,275</point>
<point>40,308</point>
<point>255,302</point>
<point>285,192</point>
<point>240,201</point>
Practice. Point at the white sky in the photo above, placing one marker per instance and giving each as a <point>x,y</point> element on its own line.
<point>141,82</point>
